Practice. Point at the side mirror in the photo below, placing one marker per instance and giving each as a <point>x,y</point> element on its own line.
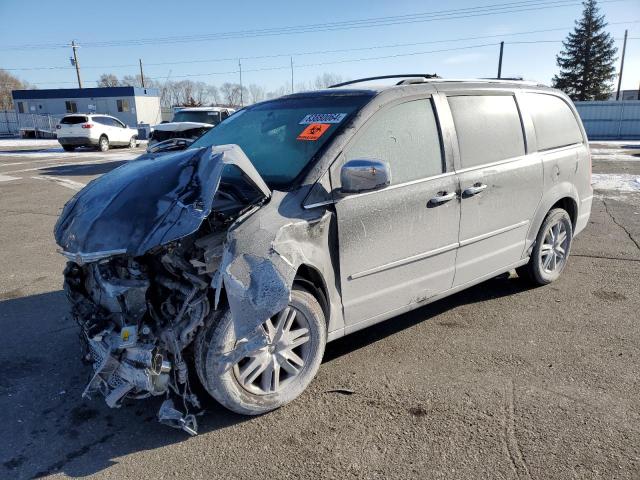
<point>364,175</point>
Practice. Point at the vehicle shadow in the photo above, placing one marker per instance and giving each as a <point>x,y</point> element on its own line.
<point>83,170</point>
<point>42,378</point>
<point>52,429</point>
<point>489,290</point>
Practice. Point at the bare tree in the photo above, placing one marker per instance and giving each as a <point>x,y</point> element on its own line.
<point>132,81</point>
<point>9,82</point>
<point>256,93</point>
<point>326,80</point>
<point>279,92</point>
<point>231,93</point>
<point>108,80</point>
<point>213,96</point>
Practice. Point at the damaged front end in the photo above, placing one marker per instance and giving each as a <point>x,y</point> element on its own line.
<point>145,242</point>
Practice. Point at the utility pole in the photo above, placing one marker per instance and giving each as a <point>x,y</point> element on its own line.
<point>75,62</point>
<point>141,73</point>
<point>291,74</point>
<point>500,60</point>
<point>624,48</point>
<point>240,69</point>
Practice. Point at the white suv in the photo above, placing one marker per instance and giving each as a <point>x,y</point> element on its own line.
<point>102,131</point>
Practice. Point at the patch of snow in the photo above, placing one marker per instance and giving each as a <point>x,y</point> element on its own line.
<point>55,153</point>
<point>616,143</point>
<point>28,142</point>
<point>619,182</point>
<point>38,143</point>
<point>613,157</point>
<point>65,182</point>
<point>7,178</point>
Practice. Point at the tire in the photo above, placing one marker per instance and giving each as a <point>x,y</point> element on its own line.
<point>68,148</point>
<point>133,142</point>
<point>103,143</point>
<point>223,380</point>
<point>551,251</point>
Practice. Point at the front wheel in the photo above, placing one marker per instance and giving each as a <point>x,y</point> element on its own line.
<point>133,142</point>
<point>272,367</point>
<point>551,251</point>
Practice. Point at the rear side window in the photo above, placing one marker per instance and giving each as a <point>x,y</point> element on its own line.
<point>73,120</point>
<point>553,120</point>
<point>406,136</point>
<point>488,128</point>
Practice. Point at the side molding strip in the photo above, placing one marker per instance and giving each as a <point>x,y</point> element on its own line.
<point>484,236</point>
<point>404,261</point>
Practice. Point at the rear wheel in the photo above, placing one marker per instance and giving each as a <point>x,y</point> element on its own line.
<point>551,251</point>
<point>103,143</point>
<point>68,148</point>
<point>272,366</point>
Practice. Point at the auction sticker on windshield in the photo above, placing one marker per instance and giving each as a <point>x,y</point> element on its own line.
<point>323,118</point>
<point>314,131</point>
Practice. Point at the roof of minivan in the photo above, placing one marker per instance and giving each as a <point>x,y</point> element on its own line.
<point>375,87</point>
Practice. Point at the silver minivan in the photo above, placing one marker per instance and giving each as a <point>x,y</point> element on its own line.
<point>302,219</point>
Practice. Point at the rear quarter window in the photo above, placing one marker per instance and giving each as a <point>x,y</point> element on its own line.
<point>488,128</point>
<point>553,120</point>
<point>73,120</point>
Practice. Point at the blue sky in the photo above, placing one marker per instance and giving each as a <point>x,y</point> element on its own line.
<point>54,23</point>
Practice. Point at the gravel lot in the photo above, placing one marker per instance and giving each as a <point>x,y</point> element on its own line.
<point>500,381</point>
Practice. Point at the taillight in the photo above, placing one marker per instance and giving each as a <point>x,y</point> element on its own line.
<point>87,125</point>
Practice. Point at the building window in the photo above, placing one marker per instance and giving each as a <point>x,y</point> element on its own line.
<point>123,105</point>
<point>72,107</point>
<point>20,107</point>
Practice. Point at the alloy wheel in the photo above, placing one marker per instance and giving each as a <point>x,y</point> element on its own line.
<point>555,246</point>
<point>281,351</point>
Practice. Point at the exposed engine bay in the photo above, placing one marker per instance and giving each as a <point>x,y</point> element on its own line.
<point>138,317</point>
<point>139,308</point>
<point>160,247</point>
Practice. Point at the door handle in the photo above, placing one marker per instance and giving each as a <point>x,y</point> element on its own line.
<point>473,190</point>
<point>442,197</point>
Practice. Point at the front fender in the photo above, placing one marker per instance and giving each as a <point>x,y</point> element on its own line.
<point>262,254</point>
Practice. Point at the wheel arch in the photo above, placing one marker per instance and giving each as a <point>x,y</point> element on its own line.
<point>310,279</point>
<point>562,195</point>
<point>569,205</point>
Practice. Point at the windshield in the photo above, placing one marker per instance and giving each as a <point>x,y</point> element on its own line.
<point>281,137</point>
<point>197,116</point>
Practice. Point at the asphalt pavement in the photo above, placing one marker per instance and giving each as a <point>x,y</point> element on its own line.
<point>499,381</point>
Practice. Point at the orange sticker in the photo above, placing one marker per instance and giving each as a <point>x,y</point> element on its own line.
<point>314,131</point>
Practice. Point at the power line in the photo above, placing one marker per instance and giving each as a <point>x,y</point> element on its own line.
<point>336,62</point>
<point>451,14</point>
<point>321,52</point>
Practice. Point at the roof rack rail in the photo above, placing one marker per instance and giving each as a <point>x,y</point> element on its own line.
<point>382,77</point>
<point>507,79</point>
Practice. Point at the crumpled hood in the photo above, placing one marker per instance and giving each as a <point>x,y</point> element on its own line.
<point>147,202</point>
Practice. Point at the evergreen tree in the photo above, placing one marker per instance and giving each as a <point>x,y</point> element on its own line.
<point>587,59</point>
